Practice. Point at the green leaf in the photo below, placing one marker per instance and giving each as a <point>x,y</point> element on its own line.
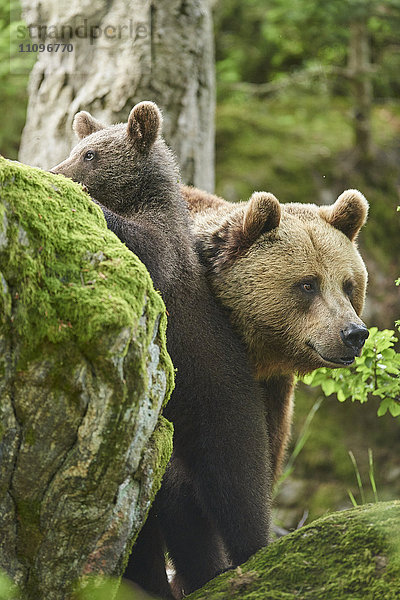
<point>394,408</point>
<point>329,386</point>
<point>382,410</point>
<point>368,362</point>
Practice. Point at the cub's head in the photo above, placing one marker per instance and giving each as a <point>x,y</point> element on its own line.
<point>119,162</point>
<point>292,278</point>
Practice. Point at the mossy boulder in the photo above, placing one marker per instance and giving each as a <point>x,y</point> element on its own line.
<point>349,555</point>
<point>84,374</point>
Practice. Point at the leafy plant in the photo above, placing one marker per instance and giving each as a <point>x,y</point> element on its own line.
<point>376,372</point>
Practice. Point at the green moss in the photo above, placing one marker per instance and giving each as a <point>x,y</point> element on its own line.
<point>67,287</point>
<point>61,261</point>
<point>60,264</point>
<point>160,447</point>
<point>354,554</point>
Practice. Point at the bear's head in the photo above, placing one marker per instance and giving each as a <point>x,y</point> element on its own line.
<point>292,278</point>
<point>122,163</point>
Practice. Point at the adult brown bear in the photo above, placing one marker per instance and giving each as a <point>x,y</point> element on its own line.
<point>294,284</point>
<point>213,508</point>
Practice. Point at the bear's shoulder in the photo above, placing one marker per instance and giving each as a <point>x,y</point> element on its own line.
<point>200,201</point>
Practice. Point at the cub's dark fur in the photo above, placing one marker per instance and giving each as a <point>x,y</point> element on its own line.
<point>213,508</point>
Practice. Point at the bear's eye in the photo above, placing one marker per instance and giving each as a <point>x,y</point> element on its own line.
<point>89,155</point>
<point>308,286</point>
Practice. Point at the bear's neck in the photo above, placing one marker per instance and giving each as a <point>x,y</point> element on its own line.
<point>153,187</point>
<point>160,202</point>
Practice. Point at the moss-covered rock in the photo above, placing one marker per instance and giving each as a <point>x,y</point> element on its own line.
<point>352,555</point>
<point>84,373</point>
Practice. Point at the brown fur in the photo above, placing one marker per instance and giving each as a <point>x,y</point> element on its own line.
<point>348,214</point>
<point>198,200</point>
<point>261,282</point>
<point>84,124</point>
<point>213,508</point>
<point>144,125</point>
<point>263,214</point>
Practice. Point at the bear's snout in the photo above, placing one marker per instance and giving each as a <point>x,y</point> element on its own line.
<point>354,336</point>
<point>58,169</point>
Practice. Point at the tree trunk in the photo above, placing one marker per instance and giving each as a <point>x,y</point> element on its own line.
<point>359,67</point>
<point>84,374</point>
<point>128,50</point>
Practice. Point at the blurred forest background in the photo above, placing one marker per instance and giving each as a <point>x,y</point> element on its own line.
<point>308,104</point>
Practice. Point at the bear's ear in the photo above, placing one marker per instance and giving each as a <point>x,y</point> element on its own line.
<point>240,230</point>
<point>144,125</point>
<point>348,214</point>
<point>263,213</point>
<point>84,124</point>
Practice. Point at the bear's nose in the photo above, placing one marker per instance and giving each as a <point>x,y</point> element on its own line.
<point>354,336</point>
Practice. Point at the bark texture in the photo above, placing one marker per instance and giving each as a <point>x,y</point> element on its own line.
<point>84,373</point>
<point>350,554</point>
<point>128,51</point>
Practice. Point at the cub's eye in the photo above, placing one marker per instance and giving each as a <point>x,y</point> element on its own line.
<point>89,155</point>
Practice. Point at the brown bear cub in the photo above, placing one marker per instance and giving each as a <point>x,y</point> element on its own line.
<point>294,284</point>
<point>213,508</point>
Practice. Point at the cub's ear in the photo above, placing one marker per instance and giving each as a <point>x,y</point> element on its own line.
<point>348,214</point>
<point>262,214</point>
<point>144,125</point>
<point>84,124</point>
